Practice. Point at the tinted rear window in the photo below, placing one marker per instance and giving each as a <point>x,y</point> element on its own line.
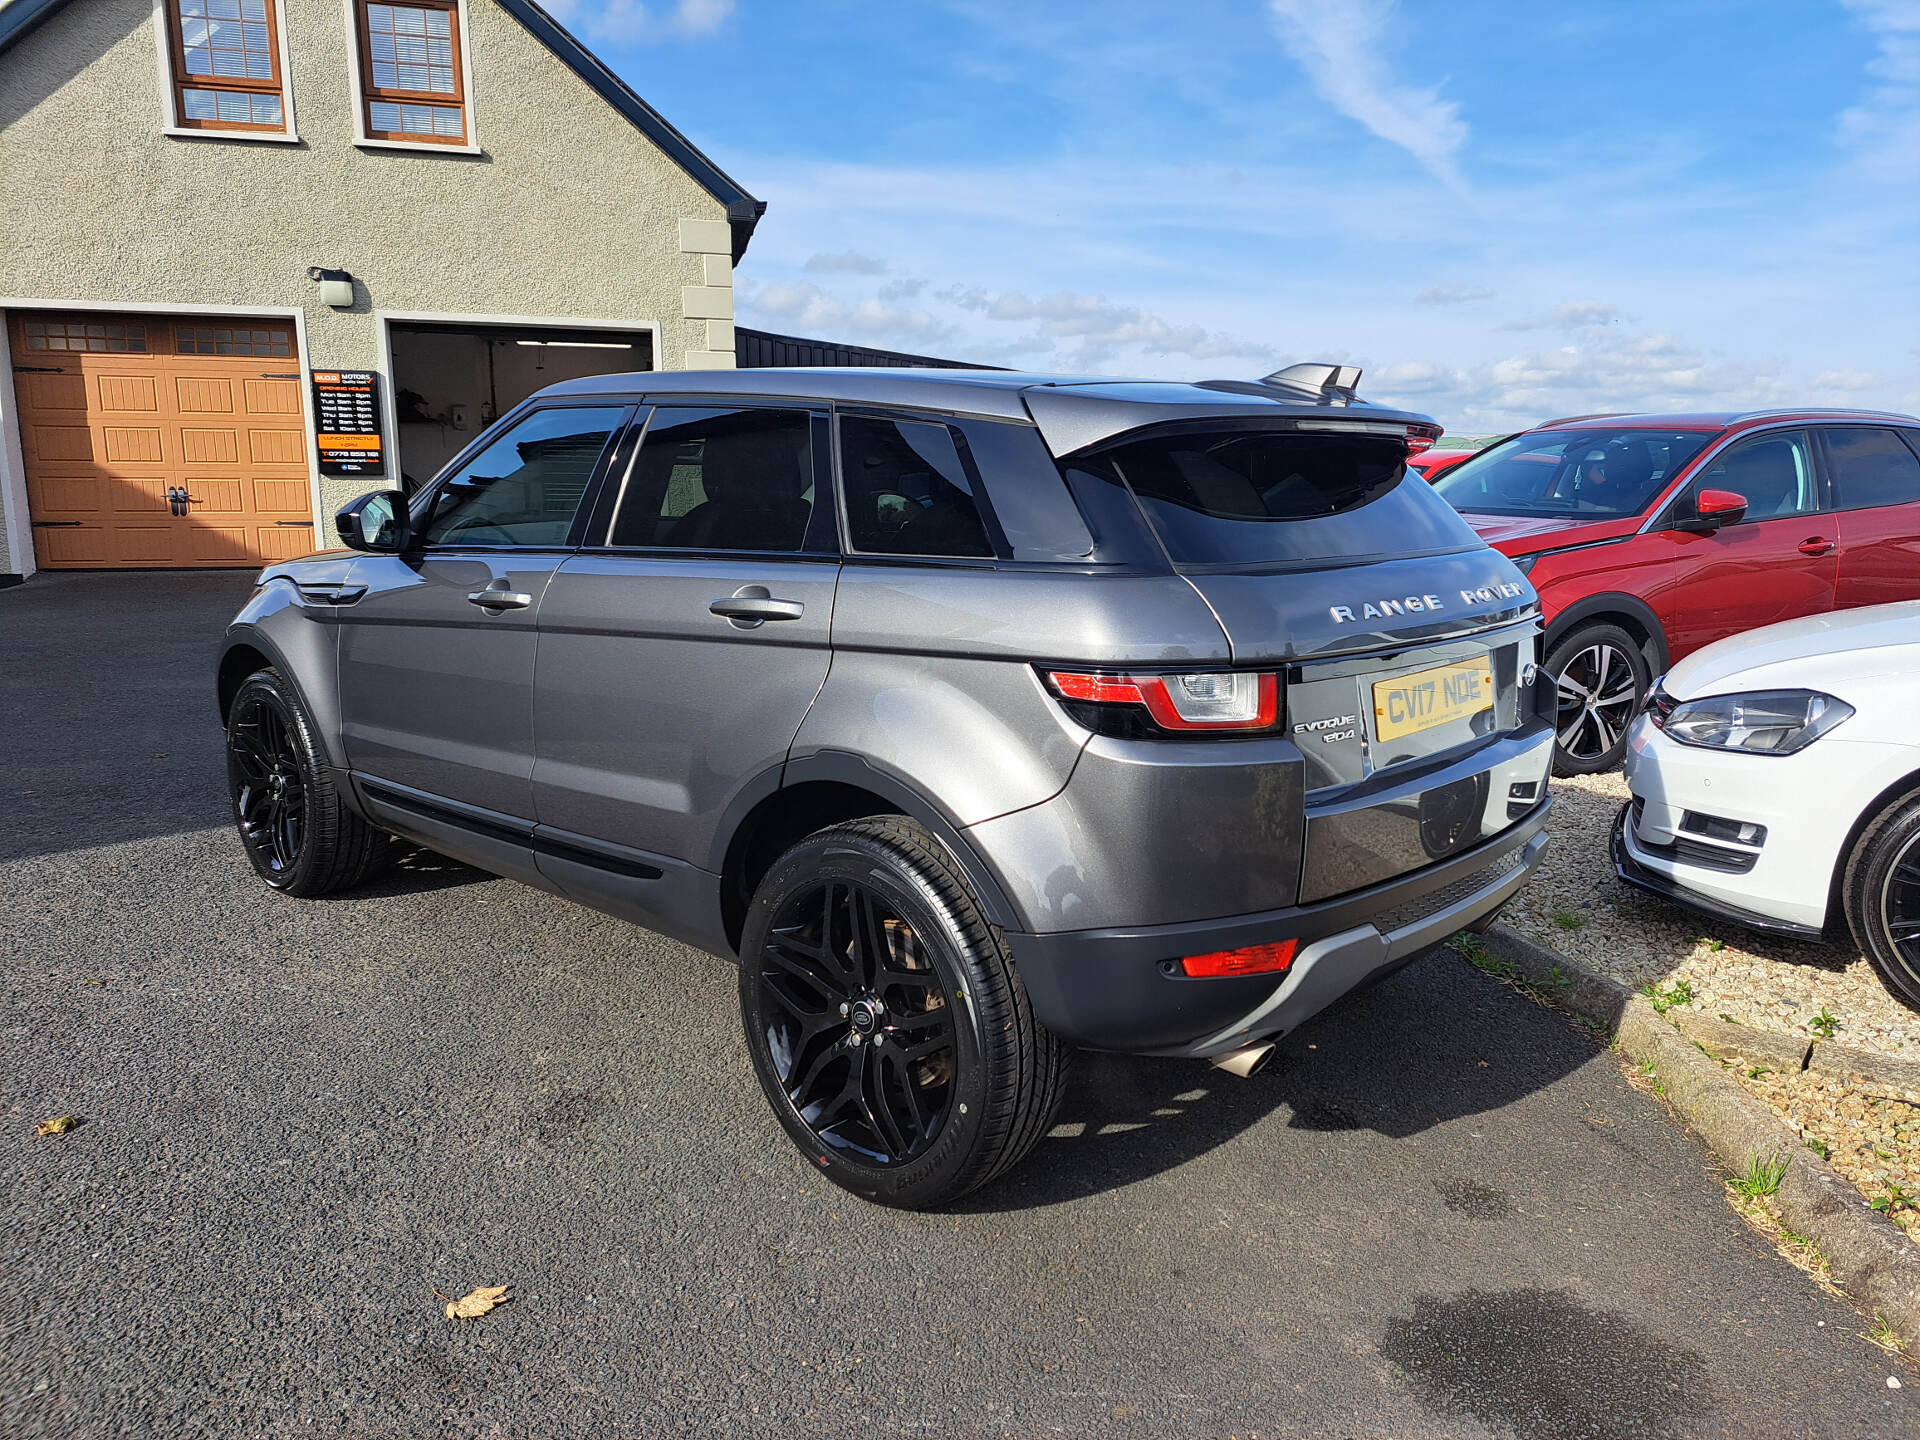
<point>1242,497</point>
<point>1871,468</point>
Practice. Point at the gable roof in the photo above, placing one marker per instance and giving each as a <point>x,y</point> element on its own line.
<point>19,18</point>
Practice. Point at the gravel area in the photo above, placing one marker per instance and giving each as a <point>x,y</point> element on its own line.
<point>1576,905</point>
<point>1869,1134</point>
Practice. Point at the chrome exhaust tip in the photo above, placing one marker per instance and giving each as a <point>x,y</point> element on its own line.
<point>1245,1063</point>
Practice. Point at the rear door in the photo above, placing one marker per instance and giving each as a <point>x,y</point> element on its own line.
<point>1876,496</point>
<point>1779,563</point>
<point>680,649</point>
<point>436,659</point>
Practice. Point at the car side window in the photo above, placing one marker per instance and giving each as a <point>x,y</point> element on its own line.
<point>1773,471</point>
<point>713,479</point>
<point>1870,467</point>
<point>907,492</point>
<point>523,489</point>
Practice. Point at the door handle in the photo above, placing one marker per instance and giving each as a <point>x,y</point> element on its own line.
<point>1815,545</point>
<point>496,597</point>
<point>752,605</point>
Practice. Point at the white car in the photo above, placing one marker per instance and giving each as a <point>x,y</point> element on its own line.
<point>1776,783</point>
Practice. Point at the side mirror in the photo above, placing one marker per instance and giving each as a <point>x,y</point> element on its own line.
<point>1711,510</point>
<point>377,522</point>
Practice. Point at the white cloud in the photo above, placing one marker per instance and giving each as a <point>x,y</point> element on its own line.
<point>1884,128</point>
<point>1101,330</point>
<point>1452,295</point>
<point>628,22</point>
<point>850,262</point>
<point>1848,381</point>
<point>1572,315</point>
<point>1642,372</point>
<point>1341,46</point>
<point>803,305</point>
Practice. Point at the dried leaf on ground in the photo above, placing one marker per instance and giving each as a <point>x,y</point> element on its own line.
<point>469,1307</point>
<point>59,1125</point>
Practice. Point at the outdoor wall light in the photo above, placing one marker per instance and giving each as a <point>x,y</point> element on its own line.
<point>336,286</point>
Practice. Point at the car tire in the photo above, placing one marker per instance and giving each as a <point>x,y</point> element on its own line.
<point>294,827</point>
<point>885,1019</point>
<point>1881,894</point>
<point>1600,680</point>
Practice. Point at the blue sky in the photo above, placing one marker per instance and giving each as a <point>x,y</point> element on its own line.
<point>1503,211</point>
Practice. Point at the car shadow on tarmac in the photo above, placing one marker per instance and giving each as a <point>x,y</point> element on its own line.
<point>412,871</point>
<point>1433,1043</point>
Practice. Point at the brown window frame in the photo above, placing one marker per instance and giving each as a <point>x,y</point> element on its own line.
<point>371,94</point>
<point>183,82</point>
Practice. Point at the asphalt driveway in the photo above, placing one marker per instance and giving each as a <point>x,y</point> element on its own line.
<point>1442,1212</point>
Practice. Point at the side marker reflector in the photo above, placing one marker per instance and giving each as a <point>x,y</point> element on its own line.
<point>1249,960</point>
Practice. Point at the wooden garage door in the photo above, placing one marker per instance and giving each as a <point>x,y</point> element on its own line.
<point>116,411</point>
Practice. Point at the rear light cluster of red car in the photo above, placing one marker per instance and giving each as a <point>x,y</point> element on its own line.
<point>1207,702</point>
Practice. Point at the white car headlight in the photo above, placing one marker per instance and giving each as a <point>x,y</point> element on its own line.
<point>1762,722</point>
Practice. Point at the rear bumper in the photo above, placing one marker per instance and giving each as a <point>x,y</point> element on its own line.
<point>1119,989</point>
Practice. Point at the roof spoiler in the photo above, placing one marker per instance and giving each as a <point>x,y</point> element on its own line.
<point>1337,384</point>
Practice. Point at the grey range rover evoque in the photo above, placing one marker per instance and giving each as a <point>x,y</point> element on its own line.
<point>979,715</point>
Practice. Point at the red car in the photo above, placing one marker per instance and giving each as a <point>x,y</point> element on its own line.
<point>1430,465</point>
<point>1649,536</point>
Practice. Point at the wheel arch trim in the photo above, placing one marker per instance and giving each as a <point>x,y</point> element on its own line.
<point>1906,788</point>
<point>1596,608</point>
<point>243,636</point>
<point>858,772</point>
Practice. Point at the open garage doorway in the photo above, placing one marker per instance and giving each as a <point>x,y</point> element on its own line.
<point>452,379</point>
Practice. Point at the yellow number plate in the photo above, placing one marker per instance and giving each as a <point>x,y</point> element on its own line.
<point>1412,703</point>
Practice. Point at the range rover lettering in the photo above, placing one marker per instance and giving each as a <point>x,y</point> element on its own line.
<point>978,715</point>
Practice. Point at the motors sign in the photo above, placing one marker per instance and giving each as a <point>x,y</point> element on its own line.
<point>346,422</point>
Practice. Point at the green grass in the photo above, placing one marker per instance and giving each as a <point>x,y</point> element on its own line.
<point>1567,920</point>
<point>1885,1336</point>
<point>1761,1177</point>
<point>1679,993</point>
<point>1898,1197</point>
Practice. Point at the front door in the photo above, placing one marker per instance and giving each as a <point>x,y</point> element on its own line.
<point>436,659</point>
<point>679,654</point>
<point>1778,563</point>
<point>1876,492</point>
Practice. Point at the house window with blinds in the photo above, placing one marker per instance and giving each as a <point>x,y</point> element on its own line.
<point>226,65</point>
<point>411,82</point>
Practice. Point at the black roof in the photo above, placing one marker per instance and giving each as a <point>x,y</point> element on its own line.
<point>1073,412</point>
<point>19,18</point>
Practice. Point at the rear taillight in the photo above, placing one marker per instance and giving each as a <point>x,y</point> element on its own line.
<point>1248,960</point>
<point>1204,702</point>
<point>1422,437</point>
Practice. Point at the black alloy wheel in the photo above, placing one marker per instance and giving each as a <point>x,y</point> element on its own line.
<point>1600,679</point>
<point>885,1021</point>
<point>269,800</point>
<point>860,1030</point>
<point>299,834</point>
<point>1881,892</point>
